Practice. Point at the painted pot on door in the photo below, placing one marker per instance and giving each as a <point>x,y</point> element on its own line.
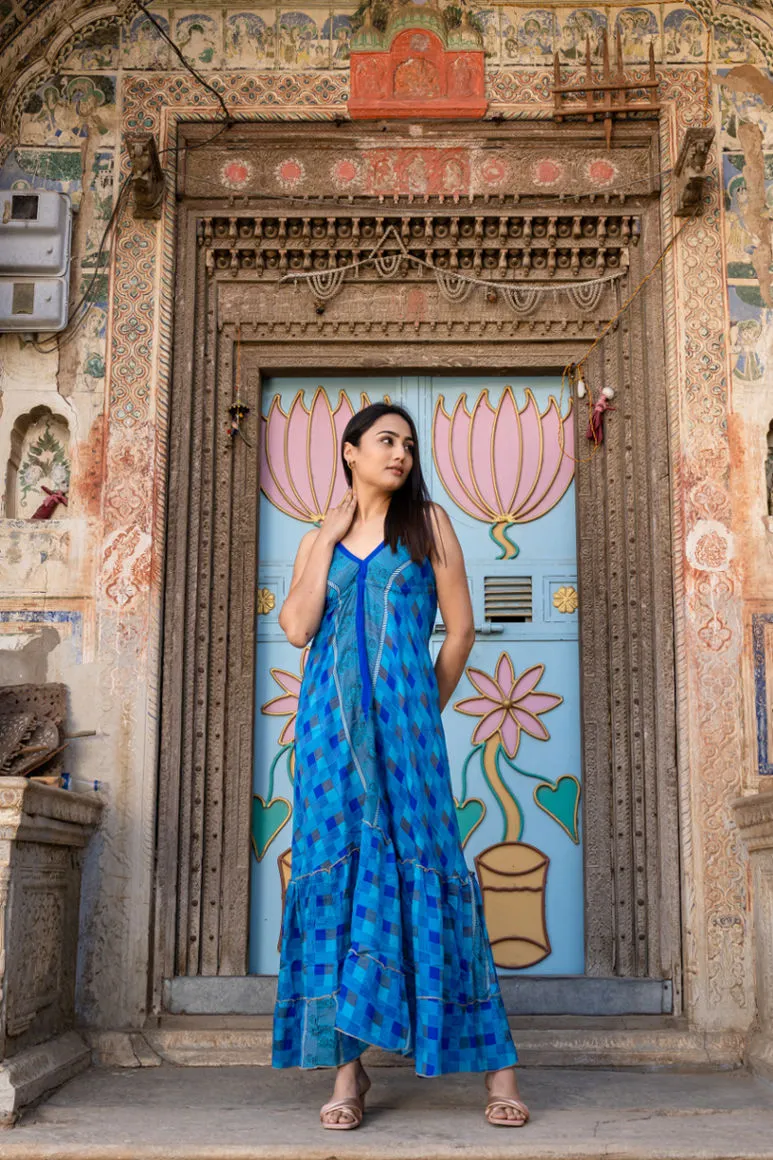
<point>512,877</point>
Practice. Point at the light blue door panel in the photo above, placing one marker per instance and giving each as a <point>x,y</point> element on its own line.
<point>503,471</point>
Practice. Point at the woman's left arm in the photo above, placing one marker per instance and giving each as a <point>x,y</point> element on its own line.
<point>455,606</point>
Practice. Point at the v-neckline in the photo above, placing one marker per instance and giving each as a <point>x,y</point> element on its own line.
<point>361,559</point>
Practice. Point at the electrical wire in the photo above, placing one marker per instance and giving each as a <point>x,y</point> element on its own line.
<point>62,337</point>
<point>183,60</point>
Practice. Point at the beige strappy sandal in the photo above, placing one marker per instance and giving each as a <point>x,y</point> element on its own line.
<point>505,1102</point>
<point>354,1105</point>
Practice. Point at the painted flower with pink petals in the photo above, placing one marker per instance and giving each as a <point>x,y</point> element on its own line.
<point>287,703</point>
<point>508,704</point>
<point>300,468</point>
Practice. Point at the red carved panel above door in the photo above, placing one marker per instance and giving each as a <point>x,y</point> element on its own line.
<point>417,75</point>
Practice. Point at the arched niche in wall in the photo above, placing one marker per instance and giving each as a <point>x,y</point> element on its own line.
<point>40,457</point>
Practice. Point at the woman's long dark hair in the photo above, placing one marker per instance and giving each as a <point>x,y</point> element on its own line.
<point>408,516</point>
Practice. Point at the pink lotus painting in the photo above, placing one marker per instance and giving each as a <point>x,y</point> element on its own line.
<point>300,469</point>
<point>504,465</point>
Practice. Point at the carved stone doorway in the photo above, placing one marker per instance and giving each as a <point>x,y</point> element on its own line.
<point>329,195</point>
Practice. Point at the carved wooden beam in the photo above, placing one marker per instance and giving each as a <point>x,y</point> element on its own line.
<point>513,245</point>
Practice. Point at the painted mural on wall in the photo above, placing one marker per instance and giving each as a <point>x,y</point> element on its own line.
<point>44,461</point>
<point>317,35</point>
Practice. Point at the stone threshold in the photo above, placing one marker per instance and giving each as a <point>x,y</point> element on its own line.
<point>664,1043</point>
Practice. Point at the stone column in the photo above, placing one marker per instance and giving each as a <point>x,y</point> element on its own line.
<point>754,816</point>
<point>42,831</point>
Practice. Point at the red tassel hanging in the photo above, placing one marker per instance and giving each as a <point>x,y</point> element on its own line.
<point>595,430</point>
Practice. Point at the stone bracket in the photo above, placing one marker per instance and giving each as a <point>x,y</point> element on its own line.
<point>689,170</point>
<point>147,177</point>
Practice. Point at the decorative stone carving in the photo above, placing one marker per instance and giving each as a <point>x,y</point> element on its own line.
<point>689,171</point>
<point>31,729</point>
<point>754,816</point>
<point>417,67</point>
<point>147,178</point>
<point>42,830</point>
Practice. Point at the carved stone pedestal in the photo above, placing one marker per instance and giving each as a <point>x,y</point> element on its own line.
<point>42,831</point>
<point>754,816</point>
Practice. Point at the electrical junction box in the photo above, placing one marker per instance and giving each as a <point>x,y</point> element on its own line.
<point>33,304</point>
<point>35,241</point>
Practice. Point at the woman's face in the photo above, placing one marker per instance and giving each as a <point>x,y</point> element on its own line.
<point>385,454</point>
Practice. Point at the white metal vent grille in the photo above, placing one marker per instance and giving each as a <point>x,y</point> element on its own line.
<point>507,598</point>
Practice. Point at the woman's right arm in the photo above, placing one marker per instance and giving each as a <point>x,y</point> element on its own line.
<point>301,613</point>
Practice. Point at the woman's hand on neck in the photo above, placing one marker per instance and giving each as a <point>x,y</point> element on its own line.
<point>372,503</point>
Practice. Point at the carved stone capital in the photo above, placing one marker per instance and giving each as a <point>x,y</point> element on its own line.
<point>754,817</point>
<point>41,813</point>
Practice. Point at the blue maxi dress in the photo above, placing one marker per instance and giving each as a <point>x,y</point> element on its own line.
<point>383,936</point>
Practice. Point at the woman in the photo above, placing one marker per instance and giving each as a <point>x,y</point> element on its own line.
<point>383,938</point>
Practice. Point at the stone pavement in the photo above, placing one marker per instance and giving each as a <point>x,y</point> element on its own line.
<point>261,1114</point>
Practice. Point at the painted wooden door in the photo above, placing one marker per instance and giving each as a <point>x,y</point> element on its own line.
<point>499,456</point>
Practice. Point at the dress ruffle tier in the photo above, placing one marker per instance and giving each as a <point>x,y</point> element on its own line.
<point>411,973</point>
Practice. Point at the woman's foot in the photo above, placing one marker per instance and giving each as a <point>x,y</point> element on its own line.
<point>502,1086</point>
<point>352,1081</point>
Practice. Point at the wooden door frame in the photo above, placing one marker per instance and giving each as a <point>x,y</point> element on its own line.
<point>628,699</point>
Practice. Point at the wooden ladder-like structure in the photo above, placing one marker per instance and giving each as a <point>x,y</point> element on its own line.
<point>609,97</point>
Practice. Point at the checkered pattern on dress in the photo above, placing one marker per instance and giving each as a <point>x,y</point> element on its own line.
<point>384,939</point>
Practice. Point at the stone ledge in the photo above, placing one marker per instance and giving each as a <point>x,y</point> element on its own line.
<point>31,812</point>
<point>30,1074</point>
<point>653,1049</point>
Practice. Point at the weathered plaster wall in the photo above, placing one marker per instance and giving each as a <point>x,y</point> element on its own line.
<point>92,576</point>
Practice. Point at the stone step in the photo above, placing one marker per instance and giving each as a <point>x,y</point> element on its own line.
<point>542,1041</point>
<point>265,1114</point>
